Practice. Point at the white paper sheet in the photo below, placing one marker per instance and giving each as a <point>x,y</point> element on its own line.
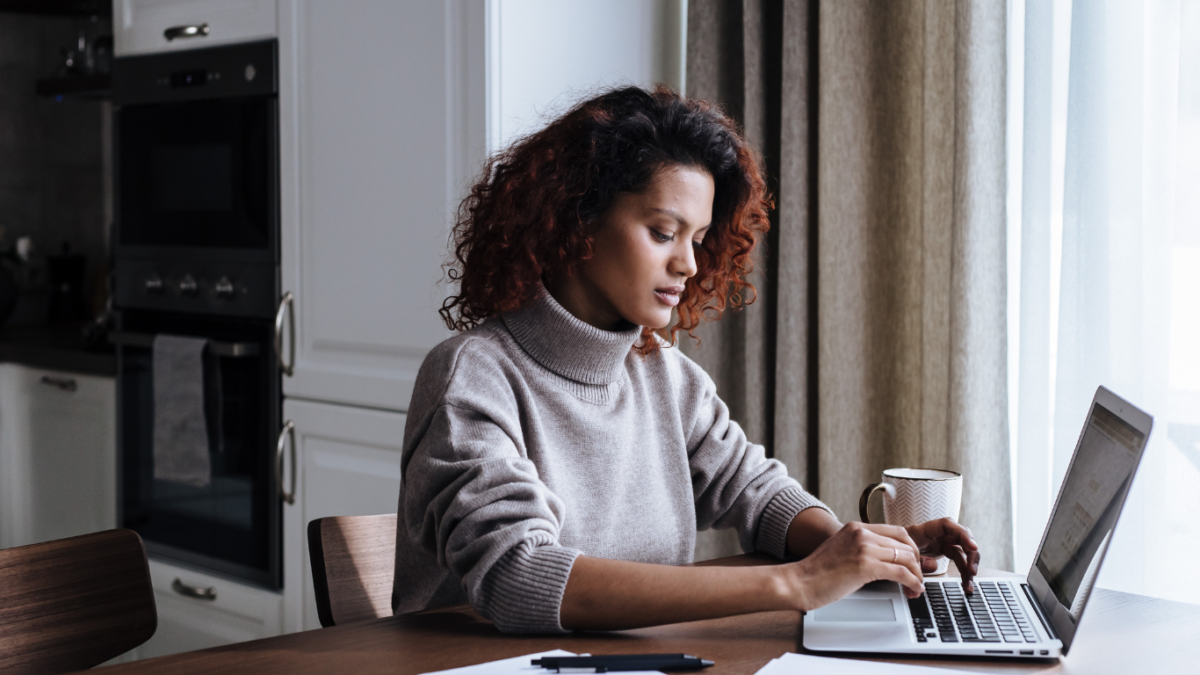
<point>520,665</point>
<point>798,664</point>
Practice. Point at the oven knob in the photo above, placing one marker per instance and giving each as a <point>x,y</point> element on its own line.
<point>154,284</point>
<point>187,285</point>
<point>224,288</point>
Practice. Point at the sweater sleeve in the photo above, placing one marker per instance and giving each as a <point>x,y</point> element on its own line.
<point>735,484</point>
<point>472,500</point>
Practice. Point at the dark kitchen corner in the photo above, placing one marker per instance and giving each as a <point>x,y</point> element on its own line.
<point>55,184</point>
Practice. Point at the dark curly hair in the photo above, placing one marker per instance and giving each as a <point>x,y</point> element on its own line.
<point>532,214</point>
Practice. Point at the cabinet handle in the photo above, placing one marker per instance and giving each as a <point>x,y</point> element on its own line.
<point>189,31</point>
<point>288,434</point>
<point>63,383</point>
<point>287,305</point>
<point>196,592</point>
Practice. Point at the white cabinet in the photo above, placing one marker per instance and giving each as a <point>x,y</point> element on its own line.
<point>58,459</point>
<point>347,464</point>
<point>140,26</point>
<point>198,611</point>
<point>381,121</point>
<point>386,111</point>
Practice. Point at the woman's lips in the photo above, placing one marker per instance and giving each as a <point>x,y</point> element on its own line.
<point>667,297</point>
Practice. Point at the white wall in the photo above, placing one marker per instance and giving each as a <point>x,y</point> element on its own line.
<point>545,55</point>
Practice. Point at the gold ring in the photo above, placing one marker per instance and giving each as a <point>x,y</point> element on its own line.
<point>895,555</point>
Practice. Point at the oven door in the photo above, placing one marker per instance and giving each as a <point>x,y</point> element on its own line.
<point>233,525</point>
<point>198,174</point>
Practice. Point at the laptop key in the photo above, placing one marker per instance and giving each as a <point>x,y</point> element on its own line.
<point>918,608</point>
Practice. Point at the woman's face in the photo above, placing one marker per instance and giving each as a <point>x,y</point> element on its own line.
<point>643,253</point>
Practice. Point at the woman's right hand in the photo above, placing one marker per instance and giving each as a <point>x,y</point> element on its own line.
<point>857,555</point>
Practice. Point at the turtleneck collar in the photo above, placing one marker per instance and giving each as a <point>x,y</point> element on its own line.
<point>578,351</point>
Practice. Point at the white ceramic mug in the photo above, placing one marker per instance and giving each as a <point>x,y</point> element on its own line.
<point>914,496</point>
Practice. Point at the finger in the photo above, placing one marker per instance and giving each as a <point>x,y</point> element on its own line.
<point>928,565</point>
<point>949,531</point>
<point>913,586</point>
<point>901,557</point>
<point>959,558</point>
<point>897,534</point>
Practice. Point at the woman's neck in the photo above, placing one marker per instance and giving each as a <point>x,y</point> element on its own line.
<point>586,303</point>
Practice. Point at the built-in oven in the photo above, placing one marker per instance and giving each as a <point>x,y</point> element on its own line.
<point>197,175</point>
<point>231,525</point>
<point>196,255</point>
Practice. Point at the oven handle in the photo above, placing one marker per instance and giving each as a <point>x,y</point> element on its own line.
<point>232,350</point>
<point>286,305</point>
<point>286,435</point>
<point>189,31</point>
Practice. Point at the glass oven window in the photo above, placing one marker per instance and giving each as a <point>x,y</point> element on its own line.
<point>232,523</point>
<point>192,178</point>
<point>198,173</point>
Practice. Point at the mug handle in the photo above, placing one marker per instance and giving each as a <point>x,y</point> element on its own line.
<point>866,497</point>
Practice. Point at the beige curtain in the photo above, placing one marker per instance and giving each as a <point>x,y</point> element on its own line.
<point>879,335</point>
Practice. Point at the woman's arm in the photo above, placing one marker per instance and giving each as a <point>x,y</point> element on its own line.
<point>809,529</point>
<point>837,560</point>
<point>612,594</point>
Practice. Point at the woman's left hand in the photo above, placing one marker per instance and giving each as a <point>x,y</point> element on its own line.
<point>946,537</point>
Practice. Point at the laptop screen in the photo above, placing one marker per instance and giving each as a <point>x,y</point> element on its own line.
<point>1088,506</point>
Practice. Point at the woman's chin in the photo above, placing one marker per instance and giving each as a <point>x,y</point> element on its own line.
<point>656,322</point>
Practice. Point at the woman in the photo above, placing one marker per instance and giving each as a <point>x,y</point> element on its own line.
<point>560,454</point>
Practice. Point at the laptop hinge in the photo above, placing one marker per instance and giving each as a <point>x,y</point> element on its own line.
<point>1037,609</point>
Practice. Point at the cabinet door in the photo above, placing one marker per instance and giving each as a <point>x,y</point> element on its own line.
<point>381,120</point>
<point>198,611</point>
<point>347,464</point>
<point>58,443</point>
<point>139,26</point>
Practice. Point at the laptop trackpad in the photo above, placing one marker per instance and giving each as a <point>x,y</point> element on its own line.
<point>857,609</point>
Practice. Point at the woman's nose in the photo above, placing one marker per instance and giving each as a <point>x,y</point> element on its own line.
<point>683,262</point>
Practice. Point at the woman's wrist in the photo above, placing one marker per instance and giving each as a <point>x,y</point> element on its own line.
<point>809,529</point>
<point>788,584</point>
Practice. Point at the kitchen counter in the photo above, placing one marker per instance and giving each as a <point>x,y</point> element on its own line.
<point>60,349</point>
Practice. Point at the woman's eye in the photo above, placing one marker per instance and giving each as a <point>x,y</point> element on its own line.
<point>697,244</point>
<point>661,236</point>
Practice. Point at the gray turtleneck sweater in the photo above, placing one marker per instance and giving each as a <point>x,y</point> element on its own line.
<point>535,438</point>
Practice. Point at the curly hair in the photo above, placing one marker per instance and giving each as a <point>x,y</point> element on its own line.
<point>532,215</point>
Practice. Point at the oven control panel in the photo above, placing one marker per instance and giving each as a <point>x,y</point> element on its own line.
<point>228,289</point>
<point>247,69</point>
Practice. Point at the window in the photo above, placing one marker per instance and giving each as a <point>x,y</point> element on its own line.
<point>1104,264</point>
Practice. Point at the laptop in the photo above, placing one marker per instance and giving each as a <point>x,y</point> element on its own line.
<point>1005,617</point>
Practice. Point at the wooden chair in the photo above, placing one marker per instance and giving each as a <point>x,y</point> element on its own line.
<point>353,559</point>
<point>74,603</point>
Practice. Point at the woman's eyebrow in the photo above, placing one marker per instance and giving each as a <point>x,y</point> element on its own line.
<point>671,213</point>
<point>676,216</point>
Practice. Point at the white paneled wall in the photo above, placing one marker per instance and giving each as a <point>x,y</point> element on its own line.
<point>544,55</point>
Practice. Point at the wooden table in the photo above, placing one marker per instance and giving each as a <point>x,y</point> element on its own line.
<point>1121,633</point>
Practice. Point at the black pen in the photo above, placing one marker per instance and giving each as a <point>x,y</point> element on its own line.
<point>604,663</point>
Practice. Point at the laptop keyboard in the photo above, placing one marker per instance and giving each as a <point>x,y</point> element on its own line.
<point>991,614</point>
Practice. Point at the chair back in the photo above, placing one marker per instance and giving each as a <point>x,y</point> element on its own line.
<point>353,559</point>
<point>74,603</point>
